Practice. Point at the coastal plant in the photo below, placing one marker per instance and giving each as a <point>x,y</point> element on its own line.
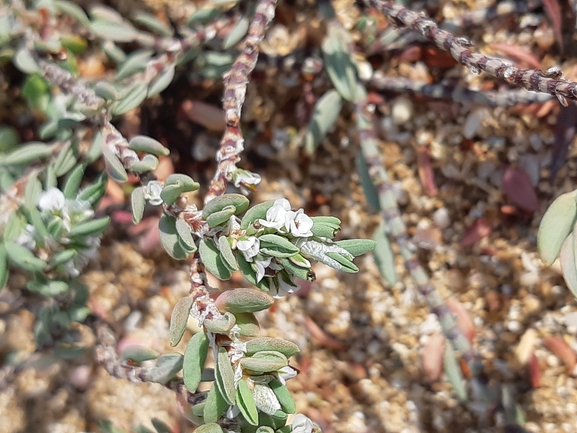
<point>50,226</point>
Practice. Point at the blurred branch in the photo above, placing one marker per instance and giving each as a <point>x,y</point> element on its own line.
<point>235,84</point>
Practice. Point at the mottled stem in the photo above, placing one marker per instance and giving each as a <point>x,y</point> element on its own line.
<point>107,356</point>
<point>500,98</point>
<point>203,306</point>
<point>460,48</point>
<point>235,84</point>
<point>397,230</point>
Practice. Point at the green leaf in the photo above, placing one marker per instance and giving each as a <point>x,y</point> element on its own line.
<point>73,10</point>
<point>132,99</point>
<point>135,62</point>
<point>23,258</point>
<point>246,403</point>
<point>32,192</point>
<point>95,151</point>
<point>176,185</point>
<point>255,213</point>
<point>226,254</point>
<point>244,300</point>
<point>162,81</point>
<point>209,428</point>
<point>215,405</point>
<point>369,188</point>
<point>105,90</point>
<point>339,65</point>
<point>384,256</point>
<point>62,257</point>
<point>277,246</point>
<point>237,33</point>
<point>267,361</point>
<point>453,372</point>
<point>287,348</point>
<point>179,319</point>
<point>161,426</point>
<point>167,366</point>
<point>169,237</point>
<point>26,153</point>
<point>114,31</point>
<point>248,324</point>
<point>325,226</point>
<point>138,203</point>
<point>93,193</point>
<point>114,167</point>
<point>283,395</point>
<point>33,215</point>
<point>90,228</point>
<point>325,115</point>
<point>14,226</point>
<point>138,353</point>
<point>56,228</point>
<point>568,263</point>
<point>48,288</point>
<point>113,52</point>
<point>357,247</point>
<point>211,257</point>
<point>220,217</point>
<point>25,62</point>
<point>65,160</point>
<point>225,377</point>
<point>203,16</point>
<point>240,202</point>
<point>194,360</point>
<point>152,23</point>
<point>296,270</point>
<point>73,182</point>
<point>3,266</point>
<point>264,429</point>
<point>556,225</point>
<point>142,143</point>
<point>147,163</point>
<point>220,325</point>
<point>185,236</point>
<point>9,138</point>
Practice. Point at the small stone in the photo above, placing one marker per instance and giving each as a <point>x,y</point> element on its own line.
<point>402,110</point>
<point>474,121</point>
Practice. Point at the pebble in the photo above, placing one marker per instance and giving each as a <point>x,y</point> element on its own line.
<point>474,121</point>
<point>441,218</point>
<point>402,110</point>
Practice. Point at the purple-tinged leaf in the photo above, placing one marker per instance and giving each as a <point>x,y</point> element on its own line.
<point>554,13</point>
<point>517,186</point>
<point>564,134</point>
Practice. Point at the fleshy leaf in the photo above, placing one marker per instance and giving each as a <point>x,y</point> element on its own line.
<point>556,225</point>
<point>90,228</point>
<point>138,204</point>
<point>340,67</point>
<point>209,428</point>
<point>114,31</point>
<point>211,257</point>
<point>357,247</point>
<point>26,153</point>
<point>185,236</point>
<point>248,324</point>
<point>265,399</point>
<point>325,115</point>
<point>132,99</point>
<point>179,319</point>
<point>277,246</point>
<point>568,263</point>
<point>167,366</point>
<point>138,353</point>
<point>73,182</point>
<point>369,188</point>
<point>220,325</point>
<point>384,256</point>
<point>453,372</point>
<point>221,217</point>
<point>266,361</point>
<point>215,405</point>
<point>194,360</point>
<point>244,300</point>
<point>237,33</point>
<point>23,258</point>
<point>3,266</point>
<point>162,82</point>
<point>169,237</point>
<point>147,163</point>
<point>225,377</point>
<point>135,62</point>
<point>175,186</point>
<point>114,167</point>
<point>152,23</point>
<point>287,348</point>
<point>240,202</point>
<point>142,143</point>
<point>283,395</point>
<point>255,213</point>
<point>246,403</point>
<point>227,255</point>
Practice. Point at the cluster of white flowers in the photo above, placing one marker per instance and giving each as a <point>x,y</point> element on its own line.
<point>70,211</point>
<point>282,218</point>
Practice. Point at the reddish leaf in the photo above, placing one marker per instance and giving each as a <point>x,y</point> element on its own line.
<point>560,348</point>
<point>464,322</point>
<point>476,232</point>
<point>554,12</point>
<point>519,53</point>
<point>411,54</point>
<point>323,338</point>
<point>564,134</point>
<point>426,172</point>
<point>436,58</point>
<point>433,357</point>
<point>535,371</point>
<point>208,115</point>
<point>517,186</point>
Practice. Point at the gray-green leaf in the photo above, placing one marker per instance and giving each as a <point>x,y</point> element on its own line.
<point>325,115</point>
<point>179,319</point>
<point>225,376</point>
<point>194,359</point>
<point>556,225</point>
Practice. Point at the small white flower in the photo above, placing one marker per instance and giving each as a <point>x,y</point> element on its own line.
<point>26,238</point>
<point>285,287</point>
<point>52,200</point>
<point>276,215</point>
<point>248,247</point>
<point>299,224</point>
<point>286,373</point>
<point>261,266</point>
<point>302,424</point>
<point>246,178</point>
<point>152,192</point>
